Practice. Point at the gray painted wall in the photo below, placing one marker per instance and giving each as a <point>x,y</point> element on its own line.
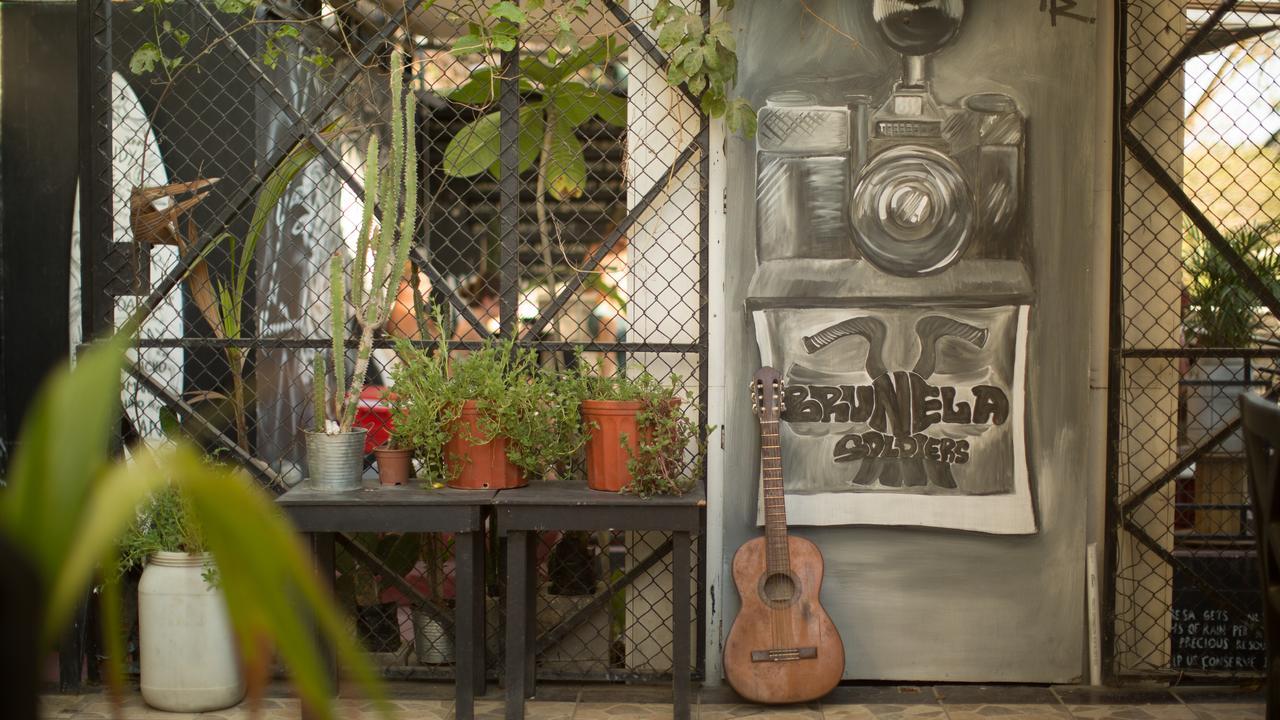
<point>925,604</point>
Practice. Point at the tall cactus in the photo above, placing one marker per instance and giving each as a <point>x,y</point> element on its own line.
<point>395,196</point>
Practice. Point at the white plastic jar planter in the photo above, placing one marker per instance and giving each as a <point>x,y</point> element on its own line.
<point>186,647</point>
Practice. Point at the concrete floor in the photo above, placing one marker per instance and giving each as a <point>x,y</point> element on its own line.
<point>431,701</point>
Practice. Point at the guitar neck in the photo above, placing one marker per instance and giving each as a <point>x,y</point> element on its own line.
<point>775,506</point>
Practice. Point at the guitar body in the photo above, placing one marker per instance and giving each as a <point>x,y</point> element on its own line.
<point>791,611</point>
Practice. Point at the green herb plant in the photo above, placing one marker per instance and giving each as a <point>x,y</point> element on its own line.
<point>658,466</point>
<point>1221,311</point>
<point>428,409</point>
<point>522,402</point>
<point>165,524</point>
<point>515,398</point>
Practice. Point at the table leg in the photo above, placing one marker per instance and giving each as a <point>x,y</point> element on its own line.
<point>480,638</point>
<point>680,619</point>
<point>531,614</point>
<point>518,568</point>
<point>464,626</point>
<point>322,553</point>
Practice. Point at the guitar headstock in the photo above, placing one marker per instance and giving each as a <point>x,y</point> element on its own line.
<point>766,392</point>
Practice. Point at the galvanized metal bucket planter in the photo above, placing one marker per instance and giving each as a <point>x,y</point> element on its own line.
<point>335,462</point>
<point>432,641</point>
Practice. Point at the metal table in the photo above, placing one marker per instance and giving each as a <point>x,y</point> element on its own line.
<point>410,509</point>
<point>523,512</point>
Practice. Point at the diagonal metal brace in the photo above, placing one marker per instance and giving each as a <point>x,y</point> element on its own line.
<point>642,39</point>
<point>335,161</point>
<point>1177,61</point>
<point>549,639</point>
<point>1158,173</point>
<point>1207,586</point>
<point>296,134</point>
<point>1130,506</point>
<point>363,555</point>
<point>259,468</point>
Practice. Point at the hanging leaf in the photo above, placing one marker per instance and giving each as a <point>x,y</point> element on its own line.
<point>468,44</point>
<point>566,168</point>
<point>145,58</point>
<point>538,71</point>
<point>508,11</point>
<point>575,103</point>
<point>474,148</point>
<point>613,110</point>
<point>480,89</point>
<point>529,142</point>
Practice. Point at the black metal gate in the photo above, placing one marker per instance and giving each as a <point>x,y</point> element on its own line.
<point>1194,305</point>
<point>578,225</point>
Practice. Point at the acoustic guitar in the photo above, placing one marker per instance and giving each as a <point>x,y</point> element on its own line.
<point>783,647</point>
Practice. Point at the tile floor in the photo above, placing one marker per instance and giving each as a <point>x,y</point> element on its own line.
<point>429,701</point>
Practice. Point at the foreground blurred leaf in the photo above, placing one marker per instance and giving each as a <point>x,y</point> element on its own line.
<point>65,508</point>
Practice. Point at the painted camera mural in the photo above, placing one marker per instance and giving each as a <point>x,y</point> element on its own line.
<point>893,288</point>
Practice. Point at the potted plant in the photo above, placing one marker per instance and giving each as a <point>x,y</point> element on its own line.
<point>186,648</point>
<point>335,449</point>
<point>491,420</point>
<point>637,434</point>
<point>1222,313</point>
<point>395,456</point>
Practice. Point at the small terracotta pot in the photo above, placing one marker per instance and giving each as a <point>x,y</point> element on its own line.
<point>606,422</point>
<point>395,467</point>
<point>484,466</point>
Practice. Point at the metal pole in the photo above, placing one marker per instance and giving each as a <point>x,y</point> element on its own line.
<point>509,190</point>
<point>1114,370</point>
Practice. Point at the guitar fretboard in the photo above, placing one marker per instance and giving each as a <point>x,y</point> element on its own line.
<point>775,507</point>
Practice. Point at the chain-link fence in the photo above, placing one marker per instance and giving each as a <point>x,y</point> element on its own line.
<point>561,192</point>
<point>1195,274</point>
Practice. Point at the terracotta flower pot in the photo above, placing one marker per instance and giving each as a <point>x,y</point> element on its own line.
<point>395,467</point>
<point>606,422</point>
<point>484,466</point>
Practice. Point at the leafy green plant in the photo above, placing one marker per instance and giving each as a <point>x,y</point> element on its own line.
<point>164,524</point>
<point>658,466</point>
<point>703,56</point>
<point>231,293</point>
<point>559,102</point>
<point>521,402</point>
<point>515,399</point>
<point>421,383</point>
<point>67,505</point>
<point>588,383</point>
<point>395,194</point>
<point>1221,311</point>
<point>702,53</point>
<point>168,43</point>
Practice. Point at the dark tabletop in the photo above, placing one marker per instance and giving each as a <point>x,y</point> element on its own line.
<point>396,508</point>
<point>571,505</point>
<point>576,492</point>
<point>375,494</point>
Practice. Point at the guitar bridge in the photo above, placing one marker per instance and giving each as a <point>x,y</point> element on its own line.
<point>784,654</point>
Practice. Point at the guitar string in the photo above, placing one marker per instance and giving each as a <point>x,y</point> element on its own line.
<point>776,546</point>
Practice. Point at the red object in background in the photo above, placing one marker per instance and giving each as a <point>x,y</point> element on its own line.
<point>374,413</point>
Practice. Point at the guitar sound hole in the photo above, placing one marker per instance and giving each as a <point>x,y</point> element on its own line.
<point>779,589</point>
